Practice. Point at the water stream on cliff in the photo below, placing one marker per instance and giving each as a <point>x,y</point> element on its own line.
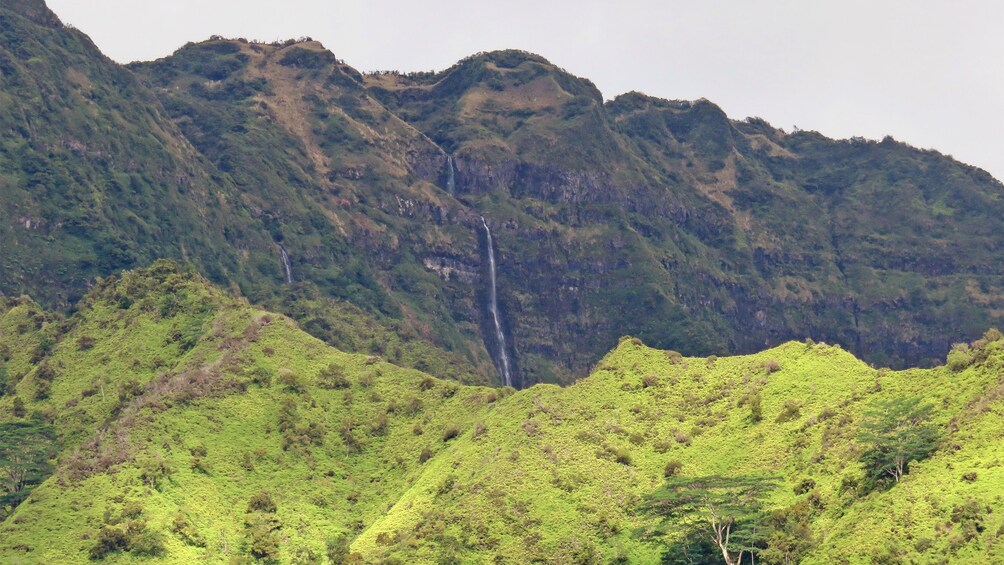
<point>504,369</point>
<point>451,183</point>
<point>285,263</point>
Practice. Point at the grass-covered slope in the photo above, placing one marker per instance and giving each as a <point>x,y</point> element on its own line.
<point>187,425</point>
<point>158,370</point>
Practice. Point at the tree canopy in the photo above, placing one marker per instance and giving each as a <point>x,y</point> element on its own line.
<point>896,433</point>
<point>729,516</point>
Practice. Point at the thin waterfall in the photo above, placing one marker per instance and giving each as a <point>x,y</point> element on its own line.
<point>285,263</point>
<point>451,183</point>
<point>493,307</point>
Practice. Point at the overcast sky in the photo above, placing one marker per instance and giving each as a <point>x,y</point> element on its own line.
<point>926,72</point>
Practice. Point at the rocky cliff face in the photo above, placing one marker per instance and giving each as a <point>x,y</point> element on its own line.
<point>655,218</point>
<point>668,220</point>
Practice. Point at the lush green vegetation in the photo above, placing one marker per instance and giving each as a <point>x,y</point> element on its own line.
<point>187,425</point>
<point>148,415</point>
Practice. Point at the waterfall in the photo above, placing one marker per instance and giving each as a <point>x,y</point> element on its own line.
<point>503,362</point>
<point>451,183</point>
<point>285,263</point>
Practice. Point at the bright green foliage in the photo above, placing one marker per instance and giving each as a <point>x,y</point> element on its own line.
<point>896,433</point>
<point>959,357</point>
<point>400,466</point>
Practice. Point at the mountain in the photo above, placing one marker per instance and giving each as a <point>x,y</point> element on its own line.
<point>730,235</point>
<point>354,202</point>
<point>185,425</point>
<point>97,178</point>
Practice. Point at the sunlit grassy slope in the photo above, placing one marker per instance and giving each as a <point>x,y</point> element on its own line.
<point>176,405</point>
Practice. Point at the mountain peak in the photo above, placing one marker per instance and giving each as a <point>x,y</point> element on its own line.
<point>505,58</point>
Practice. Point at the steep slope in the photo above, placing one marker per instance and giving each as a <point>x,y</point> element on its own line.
<point>89,162</point>
<point>190,426</point>
<point>861,242</point>
<point>160,373</point>
<point>740,233</point>
<point>345,187</point>
<point>95,178</point>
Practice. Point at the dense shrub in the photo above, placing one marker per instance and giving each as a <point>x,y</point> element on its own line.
<point>134,536</point>
<point>154,468</point>
<point>291,381</point>
<point>262,535</point>
<point>185,530</point>
<point>337,549</point>
<point>672,469</point>
<point>17,407</point>
<point>756,408</point>
<point>332,377</point>
<point>110,539</point>
<point>622,455</point>
<point>674,357</point>
<point>792,409</point>
<point>804,486</point>
<point>960,357</point>
<point>970,517</point>
<point>129,389</point>
<point>379,425</point>
<point>261,502</point>
<point>480,429</point>
<point>451,432</point>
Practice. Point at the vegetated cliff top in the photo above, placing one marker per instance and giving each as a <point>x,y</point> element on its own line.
<point>189,425</point>
<point>35,10</point>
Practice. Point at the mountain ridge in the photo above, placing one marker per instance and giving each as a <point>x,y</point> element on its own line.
<point>663,219</point>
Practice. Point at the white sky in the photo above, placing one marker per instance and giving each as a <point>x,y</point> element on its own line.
<point>927,72</point>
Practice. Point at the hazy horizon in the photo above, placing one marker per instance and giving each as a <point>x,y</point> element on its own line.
<point>923,72</point>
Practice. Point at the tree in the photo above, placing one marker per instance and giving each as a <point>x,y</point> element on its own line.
<point>896,433</point>
<point>25,449</point>
<point>725,511</point>
<point>789,534</point>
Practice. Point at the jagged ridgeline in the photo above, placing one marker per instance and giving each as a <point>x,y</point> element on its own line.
<point>352,202</point>
<point>166,421</point>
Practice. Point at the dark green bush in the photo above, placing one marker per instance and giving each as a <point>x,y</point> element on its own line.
<point>672,469</point>
<point>332,377</point>
<point>261,502</point>
<point>451,432</point>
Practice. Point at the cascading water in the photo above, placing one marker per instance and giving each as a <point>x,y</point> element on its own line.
<point>285,263</point>
<point>503,359</point>
<point>451,183</point>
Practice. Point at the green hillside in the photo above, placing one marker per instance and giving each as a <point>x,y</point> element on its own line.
<point>184,425</point>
